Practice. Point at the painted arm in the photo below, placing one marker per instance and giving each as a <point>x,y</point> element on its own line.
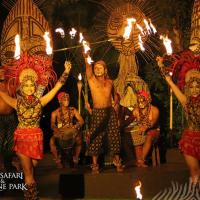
<point>9,100</point>
<point>50,95</point>
<point>79,119</point>
<point>180,96</point>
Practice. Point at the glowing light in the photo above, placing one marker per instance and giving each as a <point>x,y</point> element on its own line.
<point>79,77</point>
<point>128,28</point>
<point>17,47</point>
<point>48,45</point>
<point>73,33</point>
<point>89,60</point>
<point>141,43</point>
<point>167,43</point>
<point>81,38</point>
<point>147,26</point>
<point>153,27</point>
<point>137,190</point>
<point>140,28</point>
<point>61,31</point>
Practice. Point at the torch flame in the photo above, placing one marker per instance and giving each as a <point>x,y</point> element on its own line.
<point>140,28</point>
<point>48,45</point>
<point>167,43</point>
<point>147,26</point>
<point>79,77</point>
<point>128,28</point>
<point>81,38</point>
<point>141,43</point>
<point>61,31</point>
<point>153,27</point>
<point>89,60</point>
<point>137,190</point>
<point>17,47</point>
<point>86,46</point>
<point>73,33</point>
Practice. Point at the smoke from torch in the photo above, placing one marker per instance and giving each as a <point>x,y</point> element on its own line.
<point>48,45</point>
<point>17,47</point>
<point>167,43</point>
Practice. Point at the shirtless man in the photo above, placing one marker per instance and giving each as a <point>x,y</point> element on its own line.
<point>144,127</point>
<point>64,129</point>
<point>104,123</point>
<point>8,123</point>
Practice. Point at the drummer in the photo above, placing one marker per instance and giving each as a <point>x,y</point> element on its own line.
<point>64,129</point>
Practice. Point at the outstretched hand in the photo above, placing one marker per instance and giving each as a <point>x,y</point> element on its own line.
<point>68,66</point>
<point>159,60</point>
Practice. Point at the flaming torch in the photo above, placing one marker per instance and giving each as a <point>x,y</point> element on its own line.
<point>79,86</point>
<point>17,47</point>
<point>48,45</point>
<point>138,190</point>
<point>167,43</point>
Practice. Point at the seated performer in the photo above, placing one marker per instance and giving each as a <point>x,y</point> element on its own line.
<point>26,73</point>
<point>143,128</point>
<point>187,91</point>
<point>62,124</point>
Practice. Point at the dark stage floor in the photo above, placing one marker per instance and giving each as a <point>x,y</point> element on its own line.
<point>108,184</point>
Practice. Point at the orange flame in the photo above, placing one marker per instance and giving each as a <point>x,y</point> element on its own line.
<point>140,28</point>
<point>147,26</point>
<point>153,27</point>
<point>167,43</point>
<point>137,190</point>
<point>141,43</point>
<point>17,47</point>
<point>81,38</point>
<point>61,31</point>
<point>48,45</point>
<point>128,28</point>
<point>73,33</point>
<point>79,77</point>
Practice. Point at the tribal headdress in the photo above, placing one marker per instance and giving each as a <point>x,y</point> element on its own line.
<point>29,67</point>
<point>187,66</point>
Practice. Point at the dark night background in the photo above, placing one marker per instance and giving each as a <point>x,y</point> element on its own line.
<point>81,15</point>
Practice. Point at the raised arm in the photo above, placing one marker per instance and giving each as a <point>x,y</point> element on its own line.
<point>50,95</point>
<point>89,72</point>
<point>9,100</point>
<point>180,96</point>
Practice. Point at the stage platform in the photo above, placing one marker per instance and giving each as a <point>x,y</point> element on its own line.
<point>108,184</point>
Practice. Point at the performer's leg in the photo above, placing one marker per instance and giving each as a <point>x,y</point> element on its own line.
<point>55,153</point>
<point>139,156</point>
<point>147,146</point>
<point>194,168</point>
<point>78,146</point>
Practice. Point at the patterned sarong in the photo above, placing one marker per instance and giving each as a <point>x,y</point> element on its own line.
<point>104,127</point>
<point>29,142</point>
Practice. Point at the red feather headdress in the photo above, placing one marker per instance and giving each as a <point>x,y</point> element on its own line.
<point>37,67</point>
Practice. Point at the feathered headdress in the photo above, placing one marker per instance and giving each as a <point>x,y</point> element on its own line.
<point>35,67</point>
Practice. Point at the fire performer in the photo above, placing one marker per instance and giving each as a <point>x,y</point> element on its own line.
<point>27,73</point>
<point>104,123</point>
<point>187,91</point>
